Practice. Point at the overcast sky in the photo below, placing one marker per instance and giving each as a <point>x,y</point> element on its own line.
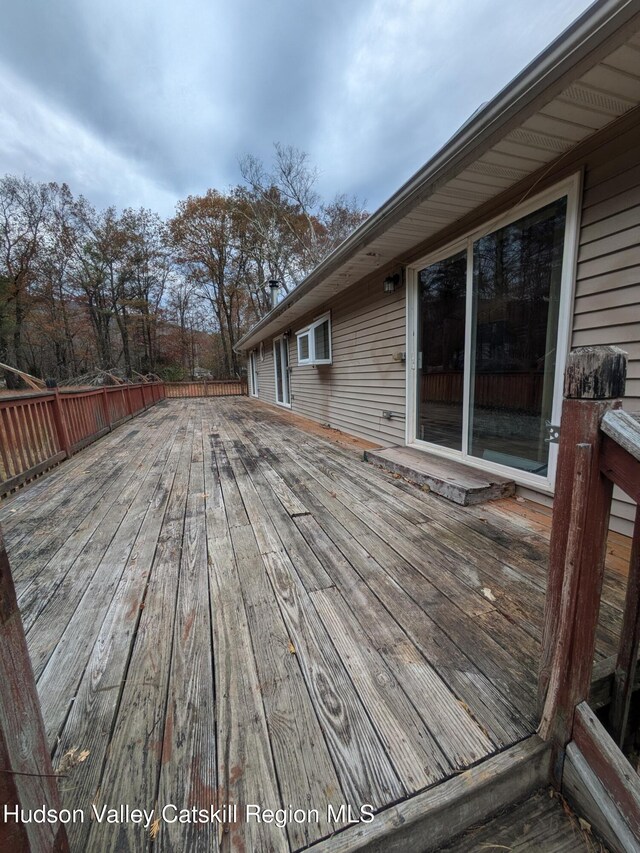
<point>141,102</point>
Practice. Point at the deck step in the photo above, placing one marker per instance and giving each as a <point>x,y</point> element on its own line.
<point>542,822</point>
<point>446,477</point>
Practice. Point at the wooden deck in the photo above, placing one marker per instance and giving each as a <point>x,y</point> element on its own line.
<point>223,607</point>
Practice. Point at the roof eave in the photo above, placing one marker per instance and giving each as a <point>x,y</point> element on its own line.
<point>592,34</point>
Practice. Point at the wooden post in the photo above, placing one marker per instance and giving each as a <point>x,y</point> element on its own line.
<point>60,423</point>
<point>27,780</point>
<point>594,383</point>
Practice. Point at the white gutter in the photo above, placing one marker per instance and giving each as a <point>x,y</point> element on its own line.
<point>596,33</point>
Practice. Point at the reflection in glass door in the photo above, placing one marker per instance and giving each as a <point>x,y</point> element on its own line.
<point>281,361</point>
<point>502,308</point>
<point>517,273</point>
<point>441,336</point>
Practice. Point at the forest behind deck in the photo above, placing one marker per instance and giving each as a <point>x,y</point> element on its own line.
<point>220,605</point>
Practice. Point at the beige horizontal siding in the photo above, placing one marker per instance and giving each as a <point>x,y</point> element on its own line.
<point>350,394</point>
<point>607,302</point>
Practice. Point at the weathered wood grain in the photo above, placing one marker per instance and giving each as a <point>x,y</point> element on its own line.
<point>27,780</point>
<point>426,822</point>
<point>188,773</point>
<point>95,705</point>
<point>610,765</point>
<point>135,750</point>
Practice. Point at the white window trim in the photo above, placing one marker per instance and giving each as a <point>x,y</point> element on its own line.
<point>571,188</point>
<point>261,350</point>
<point>286,374</point>
<point>308,331</point>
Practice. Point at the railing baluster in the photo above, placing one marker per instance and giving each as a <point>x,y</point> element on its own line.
<point>629,644</point>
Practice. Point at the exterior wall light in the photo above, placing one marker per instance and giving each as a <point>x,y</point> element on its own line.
<point>392,282</point>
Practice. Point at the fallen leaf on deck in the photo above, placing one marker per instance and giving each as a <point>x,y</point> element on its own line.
<point>487,593</point>
<point>292,648</point>
<point>154,829</point>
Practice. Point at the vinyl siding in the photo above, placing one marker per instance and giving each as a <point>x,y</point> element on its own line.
<point>607,301</point>
<point>367,328</point>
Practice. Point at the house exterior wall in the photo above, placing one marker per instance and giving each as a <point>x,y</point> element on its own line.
<point>607,294</point>
<point>368,326</point>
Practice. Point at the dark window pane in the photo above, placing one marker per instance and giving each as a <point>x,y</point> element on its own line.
<point>321,340</point>
<point>303,347</point>
<point>517,274</point>
<point>441,323</point>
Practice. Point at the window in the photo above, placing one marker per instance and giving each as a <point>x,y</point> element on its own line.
<point>314,342</point>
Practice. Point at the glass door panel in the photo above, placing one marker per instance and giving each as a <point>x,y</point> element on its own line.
<point>281,361</point>
<point>441,337</point>
<point>517,273</point>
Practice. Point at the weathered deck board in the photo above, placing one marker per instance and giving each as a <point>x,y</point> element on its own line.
<point>227,609</point>
<point>540,823</point>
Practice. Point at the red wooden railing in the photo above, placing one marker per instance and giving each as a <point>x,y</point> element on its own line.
<point>207,388</point>
<point>40,429</point>
<point>599,448</point>
<point>514,390</point>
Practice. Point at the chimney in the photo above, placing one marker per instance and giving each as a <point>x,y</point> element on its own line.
<point>274,284</point>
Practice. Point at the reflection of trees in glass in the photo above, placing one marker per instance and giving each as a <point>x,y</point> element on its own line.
<point>442,313</point>
<point>516,277</point>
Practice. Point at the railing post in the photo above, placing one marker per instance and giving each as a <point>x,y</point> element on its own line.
<point>27,780</point>
<point>60,423</point>
<point>594,383</point>
<point>105,408</point>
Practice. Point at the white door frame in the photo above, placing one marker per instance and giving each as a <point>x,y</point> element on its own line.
<point>570,187</point>
<point>285,370</point>
<point>253,373</point>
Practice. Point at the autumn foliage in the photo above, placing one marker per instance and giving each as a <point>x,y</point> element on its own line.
<point>83,289</point>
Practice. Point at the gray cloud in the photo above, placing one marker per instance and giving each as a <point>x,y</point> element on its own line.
<point>138,102</point>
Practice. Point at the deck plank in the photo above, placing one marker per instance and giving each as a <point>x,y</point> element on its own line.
<point>229,609</point>
<point>246,772</point>
<point>133,760</point>
<point>188,774</point>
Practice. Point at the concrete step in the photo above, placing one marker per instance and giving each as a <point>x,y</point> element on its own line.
<point>449,478</point>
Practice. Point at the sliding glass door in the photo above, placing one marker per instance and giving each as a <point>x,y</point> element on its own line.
<point>487,337</point>
<point>281,363</point>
